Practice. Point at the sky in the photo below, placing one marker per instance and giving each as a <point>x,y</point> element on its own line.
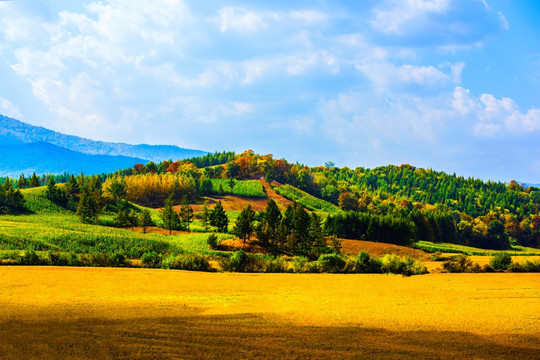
<point>452,85</point>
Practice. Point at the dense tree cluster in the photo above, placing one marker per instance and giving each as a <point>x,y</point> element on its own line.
<point>11,199</point>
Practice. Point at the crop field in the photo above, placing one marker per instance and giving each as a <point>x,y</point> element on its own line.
<point>305,199</point>
<point>247,188</point>
<point>462,249</point>
<point>74,313</point>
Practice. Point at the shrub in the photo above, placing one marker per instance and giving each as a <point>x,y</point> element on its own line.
<point>460,264</point>
<point>331,263</point>
<point>526,266</point>
<point>194,262</point>
<point>366,264</point>
<point>239,260</point>
<point>151,259</point>
<point>212,241</point>
<point>277,265</point>
<point>501,261</point>
<point>57,259</point>
<point>299,264</point>
<point>29,257</point>
<point>118,259</point>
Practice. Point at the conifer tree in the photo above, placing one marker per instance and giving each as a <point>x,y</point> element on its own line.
<point>186,213</point>
<point>34,181</point>
<point>23,182</point>
<point>244,223</point>
<point>218,218</point>
<point>145,220</point>
<point>169,216</point>
<point>205,215</point>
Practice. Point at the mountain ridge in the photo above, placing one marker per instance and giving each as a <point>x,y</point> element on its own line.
<point>27,148</point>
<point>29,133</point>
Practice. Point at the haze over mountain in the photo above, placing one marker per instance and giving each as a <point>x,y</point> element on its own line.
<point>26,148</point>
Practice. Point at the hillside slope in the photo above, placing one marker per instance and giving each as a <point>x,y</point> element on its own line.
<point>13,130</point>
<point>43,158</point>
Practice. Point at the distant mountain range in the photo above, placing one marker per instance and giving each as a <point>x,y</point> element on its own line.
<point>25,148</point>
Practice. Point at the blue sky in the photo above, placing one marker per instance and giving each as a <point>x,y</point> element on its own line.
<point>453,85</point>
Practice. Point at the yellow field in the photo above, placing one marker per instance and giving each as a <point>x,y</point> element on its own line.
<point>50,312</point>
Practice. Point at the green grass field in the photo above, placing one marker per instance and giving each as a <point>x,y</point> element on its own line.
<point>467,250</point>
<point>52,228</point>
<point>247,188</point>
<point>305,199</point>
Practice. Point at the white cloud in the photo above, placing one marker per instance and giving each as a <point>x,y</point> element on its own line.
<point>240,19</point>
<point>7,108</point>
<point>386,76</point>
<point>244,20</point>
<point>504,22</point>
<point>396,16</point>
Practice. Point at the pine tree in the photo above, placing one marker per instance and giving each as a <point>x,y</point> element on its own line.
<point>205,215</point>
<point>218,218</point>
<point>34,181</point>
<point>145,220</point>
<point>244,223</point>
<point>186,213</point>
<point>169,216</point>
<point>318,242</point>
<point>23,182</point>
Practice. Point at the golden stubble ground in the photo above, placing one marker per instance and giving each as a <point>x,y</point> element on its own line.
<point>52,312</point>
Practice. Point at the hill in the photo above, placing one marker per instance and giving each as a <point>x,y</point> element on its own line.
<point>44,158</point>
<point>14,131</point>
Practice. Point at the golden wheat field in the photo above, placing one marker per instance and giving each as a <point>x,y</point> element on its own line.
<point>53,312</point>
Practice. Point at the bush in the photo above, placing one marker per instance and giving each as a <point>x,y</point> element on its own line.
<point>29,257</point>
<point>460,264</point>
<point>366,264</point>
<point>501,261</point>
<point>118,259</point>
<point>526,266</point>
<point>331,263</point>
<point>239,260</point>
<point>212,241</point>
<point>193,262</point>
<point>277,265</point>
<point>151,260</point>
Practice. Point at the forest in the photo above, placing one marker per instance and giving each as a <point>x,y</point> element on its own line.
<point>394,204</point>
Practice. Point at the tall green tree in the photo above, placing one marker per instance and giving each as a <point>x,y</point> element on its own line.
<point>186,213</point>
<point>23,182</point>
<point>318,242</point>
<point>145,220</point>
<point>244,224</point>
<point>205,215</point>
<point>219,219</point>
<point>118,189</point>
<point>34,181</point>
<point>169,216</point>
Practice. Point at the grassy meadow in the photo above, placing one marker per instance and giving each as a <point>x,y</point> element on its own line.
<point>78,313</point>
<point>308,201</point>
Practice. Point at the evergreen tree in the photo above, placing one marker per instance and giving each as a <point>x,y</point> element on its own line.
<point>169,216</point>
<point>232,183</point>
<point>117,189</point>
<point>145,219</point>
<point>90,205</point>
<point>52,192</point>
<point>23,182</point>
<point>34,181</point>
<point>11,199</point>
<point>244,223</point>
<point>218,218</point>
<point>318,242</point>
<point>205,215</point>
<point>186,213</point>
<point>133,219</point>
